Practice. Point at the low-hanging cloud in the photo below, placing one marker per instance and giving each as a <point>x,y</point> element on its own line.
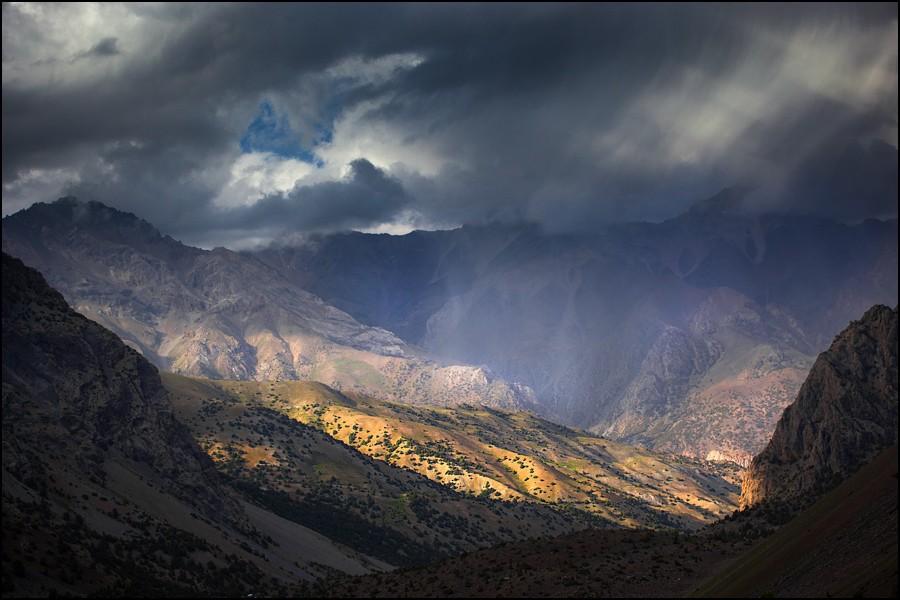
<point>365,197</point>
<point>572,116</point>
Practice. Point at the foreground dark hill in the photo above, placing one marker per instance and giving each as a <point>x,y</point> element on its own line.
<point>219,314</point>
<point>845,413</point>
<point>690,335</point>
<point>844,545</point>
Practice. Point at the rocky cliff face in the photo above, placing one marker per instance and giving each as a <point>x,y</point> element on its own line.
<point>219,314</point>
<point>845,413</point>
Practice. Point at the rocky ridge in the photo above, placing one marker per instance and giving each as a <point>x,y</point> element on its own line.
<point>219,314</point>
<point>845,413</point>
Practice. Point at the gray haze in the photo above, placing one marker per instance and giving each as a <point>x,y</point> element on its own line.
<point>393,117</point>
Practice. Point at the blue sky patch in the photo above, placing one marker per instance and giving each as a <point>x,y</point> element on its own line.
<point>271,132</point>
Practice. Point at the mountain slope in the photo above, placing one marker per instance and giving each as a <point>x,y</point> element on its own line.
<point>474,450</point>
<point>690,335</point>
<point>844,545</point>
<point>104,490</point>
<point>108,492</point>
<point>588,564</point>
<point>310,478</point>
<point>223,315</point>
<point>845,413</point>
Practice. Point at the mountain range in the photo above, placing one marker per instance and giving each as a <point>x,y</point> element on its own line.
<point>120,480</point>
<point>686,336</point>
<point>223,315</point>
<point>689,336</point>
<point>117,480</point>
<point>111,485</point>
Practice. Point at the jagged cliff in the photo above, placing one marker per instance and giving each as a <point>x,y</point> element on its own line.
<point>845,413</point>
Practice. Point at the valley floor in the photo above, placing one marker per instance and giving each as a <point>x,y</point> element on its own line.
<point>606,564</point>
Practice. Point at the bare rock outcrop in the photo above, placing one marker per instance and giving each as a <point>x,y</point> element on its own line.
<point>845,413</point>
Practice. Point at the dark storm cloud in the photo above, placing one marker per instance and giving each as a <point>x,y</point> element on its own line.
<point>363,198</point>
<point>569,115</point>
<point>106,47</point>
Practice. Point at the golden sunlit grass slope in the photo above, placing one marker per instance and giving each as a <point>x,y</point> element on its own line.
<point>306,476</point>
<point>482,452</point>
<point>844,545</point>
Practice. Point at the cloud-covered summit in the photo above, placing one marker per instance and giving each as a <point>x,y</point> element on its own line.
<point>227,124</point>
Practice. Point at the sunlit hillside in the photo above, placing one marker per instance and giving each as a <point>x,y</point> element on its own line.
<point>475,450</point>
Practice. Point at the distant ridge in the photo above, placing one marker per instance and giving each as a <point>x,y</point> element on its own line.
<point>688,336</point>
<point>224,315</point>
<point>728,201</point>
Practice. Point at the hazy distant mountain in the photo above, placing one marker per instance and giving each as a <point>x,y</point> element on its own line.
<point>845,414</point>
<point>224,315</point>
<point>690,335</point>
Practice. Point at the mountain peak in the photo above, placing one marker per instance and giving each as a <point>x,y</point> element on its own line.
<point>65,201</point>
<point>68,213</point>
<point>70,208</point>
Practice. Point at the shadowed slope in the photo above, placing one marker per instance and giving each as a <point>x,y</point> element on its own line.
<point>843,545</point>
<point>104,491</point>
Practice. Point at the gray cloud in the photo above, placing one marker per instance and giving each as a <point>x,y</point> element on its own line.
<point>365,197</point>
<point>108,46</point>
<point>569,115</point>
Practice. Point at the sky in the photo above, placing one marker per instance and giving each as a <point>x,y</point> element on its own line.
<point>239,124</point>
